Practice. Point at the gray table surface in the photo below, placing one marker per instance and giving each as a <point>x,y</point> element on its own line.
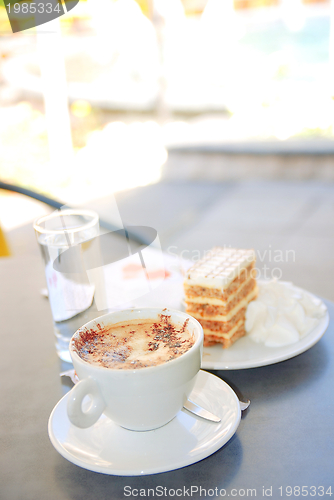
<point>285,438</point>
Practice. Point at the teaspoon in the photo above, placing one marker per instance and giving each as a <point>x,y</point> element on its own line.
<point>201,412</point>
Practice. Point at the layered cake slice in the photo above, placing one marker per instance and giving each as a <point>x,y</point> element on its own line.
<point>218,289</point>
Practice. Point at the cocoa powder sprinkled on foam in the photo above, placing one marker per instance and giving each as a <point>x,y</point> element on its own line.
<point>129,345</point>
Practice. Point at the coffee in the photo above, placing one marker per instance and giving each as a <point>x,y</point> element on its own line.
<point>136,343</point>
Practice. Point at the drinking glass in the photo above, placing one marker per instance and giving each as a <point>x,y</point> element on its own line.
<point>68,240</point>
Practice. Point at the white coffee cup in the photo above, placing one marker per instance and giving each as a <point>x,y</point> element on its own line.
<point>138,399</point>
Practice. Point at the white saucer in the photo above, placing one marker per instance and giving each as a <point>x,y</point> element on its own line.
<point>110,449</point>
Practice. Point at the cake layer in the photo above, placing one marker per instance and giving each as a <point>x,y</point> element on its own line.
<point>221,326</point>
<point>204,313</point>
<point>194,291</point>
<point>219,268</point>
<point>225,335</point>
<point>212,307</point>
<point>211,339</point>
<point>215,301</point>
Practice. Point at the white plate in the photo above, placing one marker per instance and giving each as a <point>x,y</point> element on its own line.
<point>110,449</point>
<point>246,353</point>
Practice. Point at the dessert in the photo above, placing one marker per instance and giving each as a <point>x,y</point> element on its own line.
<point>282,314</point>
<point>218,289</point>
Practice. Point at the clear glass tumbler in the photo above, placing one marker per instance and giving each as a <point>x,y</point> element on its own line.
<point>68,240</point>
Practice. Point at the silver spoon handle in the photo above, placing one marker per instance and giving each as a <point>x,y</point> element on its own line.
<point>244,404</point>
<point>199,411</point>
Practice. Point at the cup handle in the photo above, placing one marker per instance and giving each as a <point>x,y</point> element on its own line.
<point>77,416</point>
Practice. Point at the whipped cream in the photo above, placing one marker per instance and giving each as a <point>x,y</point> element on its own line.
<point>282,314</point>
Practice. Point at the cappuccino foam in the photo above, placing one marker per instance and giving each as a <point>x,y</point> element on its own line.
<point>136,343</point>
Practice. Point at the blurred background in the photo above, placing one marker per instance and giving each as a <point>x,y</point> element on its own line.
<point>211,120</point>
